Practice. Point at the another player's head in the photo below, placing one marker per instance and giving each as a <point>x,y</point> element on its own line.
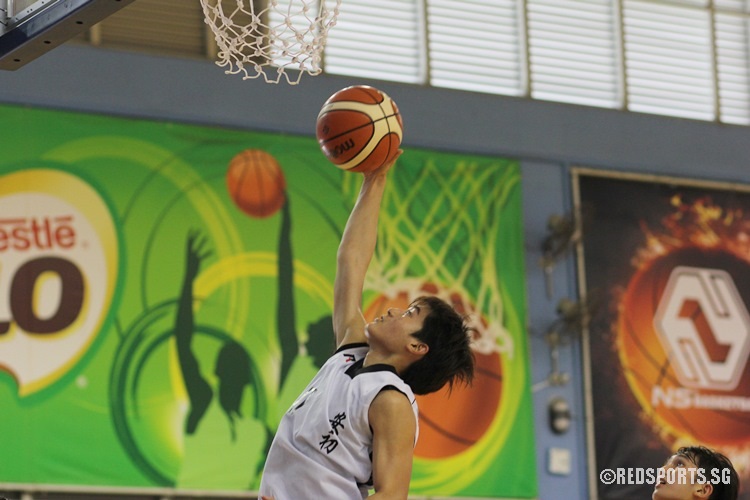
<point>449,358</point>
<point>709,475</point>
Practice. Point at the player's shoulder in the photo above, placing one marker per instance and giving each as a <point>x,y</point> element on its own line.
<point>391,403</point>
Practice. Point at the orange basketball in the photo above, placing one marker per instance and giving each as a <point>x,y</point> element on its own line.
<point>359,128</point>
<point>691,414</point>
<point>451,423</point>
<point>256,183</point>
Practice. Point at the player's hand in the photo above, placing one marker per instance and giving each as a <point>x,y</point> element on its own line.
<point>265,498</point>
<point>383,169</point>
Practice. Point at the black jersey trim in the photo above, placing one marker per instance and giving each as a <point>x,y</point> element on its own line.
<point>380,367</point>
<point>394,388</point>
<point>351,346</point>
<point>353,370</point>
<point>390,387</point>
<point>358,368</point>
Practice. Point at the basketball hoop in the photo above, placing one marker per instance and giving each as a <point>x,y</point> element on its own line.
<point>270,38</point>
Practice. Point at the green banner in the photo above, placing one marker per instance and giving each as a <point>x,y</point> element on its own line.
<point>166,293</point>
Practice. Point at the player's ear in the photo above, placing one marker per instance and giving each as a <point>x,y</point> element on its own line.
<point>418,348</point>
<point>704,490</point>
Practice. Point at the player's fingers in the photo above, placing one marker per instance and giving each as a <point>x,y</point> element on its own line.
<point>387,166</point>
<point>395,157</point>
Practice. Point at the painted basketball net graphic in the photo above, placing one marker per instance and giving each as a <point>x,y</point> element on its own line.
<point>446,246</point>
<point>683,329</point>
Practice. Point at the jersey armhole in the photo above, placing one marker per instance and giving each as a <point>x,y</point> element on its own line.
<point>393,388</point>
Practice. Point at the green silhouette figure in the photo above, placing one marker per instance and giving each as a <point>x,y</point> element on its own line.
<point>319,345</point>
<point>210,460</point>
<point>232,363</point>
<point>285,311</point>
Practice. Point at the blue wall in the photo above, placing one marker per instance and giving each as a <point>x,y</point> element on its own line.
<point>548,139</point>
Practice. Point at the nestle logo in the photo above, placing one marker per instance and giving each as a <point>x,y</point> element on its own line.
<point>41,233</point>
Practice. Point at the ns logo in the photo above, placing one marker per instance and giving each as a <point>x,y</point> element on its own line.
<point>704,324</point>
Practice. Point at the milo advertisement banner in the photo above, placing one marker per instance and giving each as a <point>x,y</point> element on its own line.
<point>667,261</point>
<point>166,292</point>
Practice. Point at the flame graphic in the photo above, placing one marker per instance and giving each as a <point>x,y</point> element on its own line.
<point>702,234</point>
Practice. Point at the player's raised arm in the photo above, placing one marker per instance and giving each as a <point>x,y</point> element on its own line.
<point>354,255</point>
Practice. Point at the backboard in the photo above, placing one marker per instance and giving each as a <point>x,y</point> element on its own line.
<point>31,28</point>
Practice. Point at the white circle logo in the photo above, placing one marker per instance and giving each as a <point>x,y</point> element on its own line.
<point>704,325</point>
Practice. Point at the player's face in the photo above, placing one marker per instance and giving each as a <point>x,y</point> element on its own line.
<point>681,483</point>
<point>397,325</point>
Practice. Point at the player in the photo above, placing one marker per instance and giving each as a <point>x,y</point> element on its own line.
<point>717,479</point>
<point>355,426</point>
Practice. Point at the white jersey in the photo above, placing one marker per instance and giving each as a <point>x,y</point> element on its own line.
<point>323,446</point>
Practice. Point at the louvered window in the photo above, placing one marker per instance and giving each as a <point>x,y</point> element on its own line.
<point>668,54</point>
<point>733,60</point>
<point>379,40</point>
<point>476,45</point>
<point>573,51</point>
<point>684,58</point>
<point>173,27</point>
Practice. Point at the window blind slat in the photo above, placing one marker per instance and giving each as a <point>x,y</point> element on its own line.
<point>572,51</point>
<point>669,61</point>
<point>377,38</point>
<point>475,46</point>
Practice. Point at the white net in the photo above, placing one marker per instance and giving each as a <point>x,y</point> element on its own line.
<point>271,38</point>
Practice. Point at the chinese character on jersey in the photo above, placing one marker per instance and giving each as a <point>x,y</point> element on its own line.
<point>328,443</point>
<point>336,423</point>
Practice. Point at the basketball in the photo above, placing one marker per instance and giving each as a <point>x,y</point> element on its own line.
<point>359,128</point>
<point>650,369</point>
<point>256,183</point>
<point>451,422</point>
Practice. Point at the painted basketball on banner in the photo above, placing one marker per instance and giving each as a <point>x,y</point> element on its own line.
<point>451,422</point>
<point>256,183</point>
<point>359,128</point>
<point>684,339</point>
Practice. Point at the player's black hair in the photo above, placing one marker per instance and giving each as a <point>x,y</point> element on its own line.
<point>707,459</point>
<point>449,358</point>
